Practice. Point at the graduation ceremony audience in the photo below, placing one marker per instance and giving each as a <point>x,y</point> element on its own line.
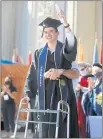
<point>8,106</point>
<point>88,95</point>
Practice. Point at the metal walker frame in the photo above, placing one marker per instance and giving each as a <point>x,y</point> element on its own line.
<point>28,110</point>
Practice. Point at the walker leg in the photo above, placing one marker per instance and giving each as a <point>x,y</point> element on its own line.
<point>16,126</point>
<point>26,128</point>
<point>68,125</point>
<point>57,121</point>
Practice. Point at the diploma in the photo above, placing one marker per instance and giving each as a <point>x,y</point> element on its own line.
<point>58,11</point>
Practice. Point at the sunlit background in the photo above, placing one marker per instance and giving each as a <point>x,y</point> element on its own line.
<point>20,25</point>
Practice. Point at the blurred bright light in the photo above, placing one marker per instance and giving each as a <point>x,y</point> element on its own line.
<point>30,3</point>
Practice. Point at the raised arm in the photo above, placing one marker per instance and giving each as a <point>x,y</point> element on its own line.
<point>70,44</point>
<point>69,34</point>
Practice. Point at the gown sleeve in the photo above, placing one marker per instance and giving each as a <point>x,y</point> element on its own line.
<point>30,87</point>
<point>70,52</point>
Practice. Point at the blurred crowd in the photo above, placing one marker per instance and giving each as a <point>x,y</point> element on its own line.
<point>88,95</point>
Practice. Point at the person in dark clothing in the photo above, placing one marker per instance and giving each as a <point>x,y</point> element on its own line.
<point>92,99</point>
<point>50,78</point>
<point>8,106</point>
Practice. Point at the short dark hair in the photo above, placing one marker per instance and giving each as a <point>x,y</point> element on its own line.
<point>8,83</point>
<point>97,65</point>
<point>10,78</point>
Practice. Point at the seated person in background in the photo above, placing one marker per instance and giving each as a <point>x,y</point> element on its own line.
<point>98,94</point>
<point>96,68</point>
<point>91,100</point>
<point>84,71</point>
<point>8,107</point>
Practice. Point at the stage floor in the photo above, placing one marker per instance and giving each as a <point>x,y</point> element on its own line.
<point>19,134</point>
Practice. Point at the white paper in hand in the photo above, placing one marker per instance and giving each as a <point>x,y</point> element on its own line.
<point>6,97</point>
<point>58,11</point>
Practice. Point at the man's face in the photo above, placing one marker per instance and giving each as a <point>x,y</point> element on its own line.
<point>6,87</point>
<point>50,35</point>
<point>83,70</point>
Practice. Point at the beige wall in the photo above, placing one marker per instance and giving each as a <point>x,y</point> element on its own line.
<point>86,27</point>
<point>88,22</point>
<point>99,19</point>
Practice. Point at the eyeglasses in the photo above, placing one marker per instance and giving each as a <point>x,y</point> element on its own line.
<point>83,68</point>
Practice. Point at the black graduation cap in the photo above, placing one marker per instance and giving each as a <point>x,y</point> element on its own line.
<point>49,22</point>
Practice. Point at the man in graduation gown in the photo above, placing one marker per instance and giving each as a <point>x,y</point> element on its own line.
<point>53,83</point>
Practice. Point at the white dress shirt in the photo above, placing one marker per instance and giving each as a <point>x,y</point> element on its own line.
<point>70,38</point>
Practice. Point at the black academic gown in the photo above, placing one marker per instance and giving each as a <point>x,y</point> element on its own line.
<point>52,93</point>
<point>30,89</point>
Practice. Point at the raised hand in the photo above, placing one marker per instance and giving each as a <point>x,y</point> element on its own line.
<point>61,15</point>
